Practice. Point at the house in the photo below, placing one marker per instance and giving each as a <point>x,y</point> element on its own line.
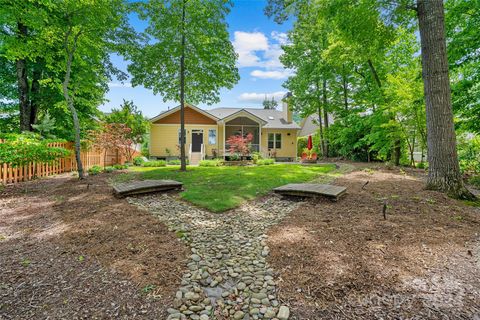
<point>309,124</point>
<point>207,131</point>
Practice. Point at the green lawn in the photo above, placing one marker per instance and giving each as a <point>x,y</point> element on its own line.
<point>222,188</point>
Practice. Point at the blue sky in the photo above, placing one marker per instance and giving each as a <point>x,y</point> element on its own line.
<point>256,39</point>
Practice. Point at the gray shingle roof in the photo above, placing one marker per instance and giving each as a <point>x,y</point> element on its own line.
<point>274,118</point>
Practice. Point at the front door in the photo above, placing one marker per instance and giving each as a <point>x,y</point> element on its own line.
<point>197,140</point>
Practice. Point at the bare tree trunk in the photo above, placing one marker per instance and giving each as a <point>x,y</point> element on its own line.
<point>183,165</point>
<point>325,117</point>
<point>320,130</point>
<point>444,171</point>
<point>35,94</point>
<point>345,88</point>
<point>69,100</point>
<point>22,81</point>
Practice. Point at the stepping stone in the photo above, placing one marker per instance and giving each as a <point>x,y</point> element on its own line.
<point>311,190</point>
<point>145,186</point>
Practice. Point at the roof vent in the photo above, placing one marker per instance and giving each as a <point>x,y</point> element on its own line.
<point>270,118</point>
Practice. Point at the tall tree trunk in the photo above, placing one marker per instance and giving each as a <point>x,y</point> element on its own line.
<point>320,130</point>
<point>325,116</point>
<point>397,151</point>
<point>345,88</point>
<point>183,165</point>
<point>69,100</point>
<point>35,93</point>
<point>444,171</point>
<point>22,80</point>
<point>374,72</point>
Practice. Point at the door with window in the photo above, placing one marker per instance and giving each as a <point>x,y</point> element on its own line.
<point>197,140</point>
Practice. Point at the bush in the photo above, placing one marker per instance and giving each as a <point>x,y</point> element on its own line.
<point>95,170</point>
<point>265,162</point>
<point>256,156</point>
<point>138,161</point>
<point>108,169</point>
<point>120,166</point>
<point>157,163</point>
<point>469,154</point>
<point>234,157</point>
<point>174,162</point>
<point>301,145</point>
<point>475,180</point>
<point>210,163</point>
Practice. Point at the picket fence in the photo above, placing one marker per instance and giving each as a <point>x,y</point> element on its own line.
<point>91,157</point>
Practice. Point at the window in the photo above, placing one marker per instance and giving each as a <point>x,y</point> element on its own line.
<point>184,137</point>
<point>212,136</point>
<point>274,141</point>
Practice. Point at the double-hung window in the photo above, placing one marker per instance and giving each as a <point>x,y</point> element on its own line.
<point>274,141</point>
<point>212,136</point>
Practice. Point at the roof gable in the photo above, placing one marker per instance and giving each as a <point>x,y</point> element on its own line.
<point>193,115</point>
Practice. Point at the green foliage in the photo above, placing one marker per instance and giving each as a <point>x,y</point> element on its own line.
<point>109,169</point>
<point>256,156</point>
<point>469,153</point>
<point>209,55</point>
<point>234,157</point>
<point>156,163</point>
<point>21,149</point>
<point>138,161</point>
<point>302,143</point>
<point>270,104</point>
<point>174,162</point>
<point>211,163</point>
<point>265,162</point>
<point>475,180</point>
<point>130,116</point>
<point>94,170</point>
<point>46,127</point>
<point>120,166</point>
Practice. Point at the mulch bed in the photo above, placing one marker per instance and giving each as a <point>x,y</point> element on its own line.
<point>344,261</point>
<point>69,249</point>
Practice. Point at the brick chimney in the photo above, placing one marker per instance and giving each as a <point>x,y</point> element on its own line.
<point>287,112</point>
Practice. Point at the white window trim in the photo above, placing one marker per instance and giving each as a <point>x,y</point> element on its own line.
<point>274,140</point>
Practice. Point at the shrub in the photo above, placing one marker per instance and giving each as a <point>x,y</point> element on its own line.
<point>234,157</point>
<point>469,154</point>
<point>301,145</point>
<point>120,166</point>
<point>138,161</point>
<point>95,170</point>
<point>174,162</point>
<point>108,169</point>
<point>256,156</point>
<point>475,180</point>
<point>210,163</point>
<point>157,163</point>
<point>265,162</point>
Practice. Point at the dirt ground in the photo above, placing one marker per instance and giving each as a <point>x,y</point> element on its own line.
<point>70,250</point>
<point>344,261</point>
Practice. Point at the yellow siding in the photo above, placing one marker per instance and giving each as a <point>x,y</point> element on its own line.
<point>289,142</point>
<point>163,136</point>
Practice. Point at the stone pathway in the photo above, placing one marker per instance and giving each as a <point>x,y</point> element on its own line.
<point>228,276</point>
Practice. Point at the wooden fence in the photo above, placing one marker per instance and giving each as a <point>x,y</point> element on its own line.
<point>91,157</point>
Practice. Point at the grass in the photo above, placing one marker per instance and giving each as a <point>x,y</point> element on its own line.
<point>221,188</point>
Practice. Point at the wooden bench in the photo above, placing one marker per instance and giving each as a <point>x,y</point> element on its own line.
<point>145,186</point>
<point>311,190</point>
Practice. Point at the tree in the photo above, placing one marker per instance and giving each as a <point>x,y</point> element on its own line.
<point>187,54</point>
<point>270,104</point>
<point>86,33</point>
<point>239,144</point>
<point>132,118</point>
<point>444,170</point>
<point>113,136</point>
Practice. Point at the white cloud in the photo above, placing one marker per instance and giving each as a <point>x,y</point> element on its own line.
<point>271,74</point>
<point>280,37</point>
<point>120,85</point>
<point>254,97</point>
<point>255,49</point>
<point>247,44</point>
